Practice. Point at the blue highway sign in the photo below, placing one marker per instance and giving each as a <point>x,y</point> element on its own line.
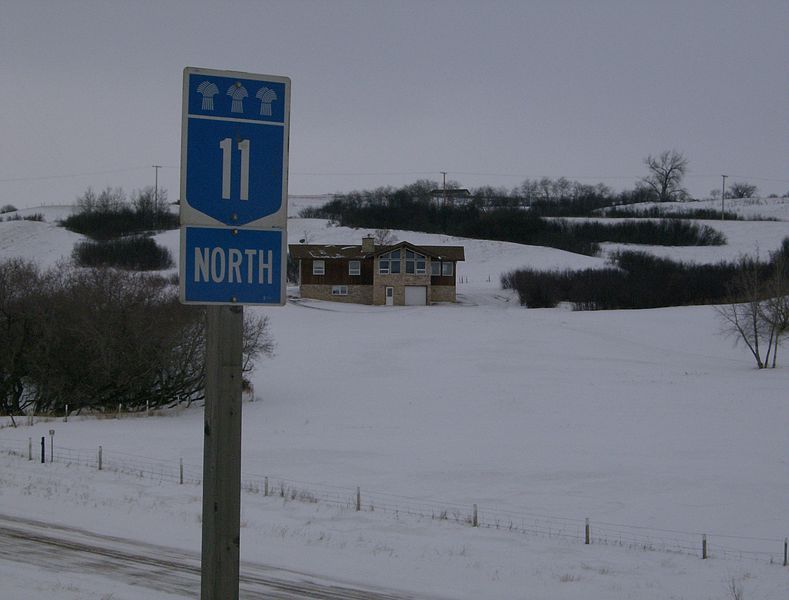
<point>234,182</point>
<point>234,148</point>
<point>232,266</point>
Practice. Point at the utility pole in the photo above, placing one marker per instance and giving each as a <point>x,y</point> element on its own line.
<point>156,194</point>
<point>156,184</point>
<point>444,188</point>
<point>723,195</point>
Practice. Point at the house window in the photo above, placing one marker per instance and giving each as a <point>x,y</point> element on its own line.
<point>318,267</point>
<point>446,269</point>
<point>389,263</point>
<point>435,268</point>
<point>339,290</point>
<point>414,262</point>
<point>354,267</point>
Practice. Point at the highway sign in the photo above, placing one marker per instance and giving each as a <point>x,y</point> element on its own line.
<point>234,178</point>
<point>234,148</point>
<point>224,265</point>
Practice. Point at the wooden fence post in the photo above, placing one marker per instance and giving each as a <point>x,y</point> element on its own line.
<point>587,533</point>
<point>786,547</point>
<point>704,546</point>
<point>358,498</point>
<point>181,470</point>
<point>265,486</point>
<point>30,448</point>
<point>474,518</point>
<point>99,462</point>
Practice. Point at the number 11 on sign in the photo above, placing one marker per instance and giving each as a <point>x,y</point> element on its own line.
<point>227,163</point>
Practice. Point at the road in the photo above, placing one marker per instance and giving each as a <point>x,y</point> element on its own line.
<point>70,550</point>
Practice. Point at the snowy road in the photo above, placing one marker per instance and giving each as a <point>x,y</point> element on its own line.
<point>67,550</point>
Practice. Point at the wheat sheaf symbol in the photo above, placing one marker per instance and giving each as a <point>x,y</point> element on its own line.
<point>237,92</point>
<point>208,90</point>
<point>266,97</point>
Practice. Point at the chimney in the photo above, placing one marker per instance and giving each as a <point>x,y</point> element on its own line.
<point>368,244</point>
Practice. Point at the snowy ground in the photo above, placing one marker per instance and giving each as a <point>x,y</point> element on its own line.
<point>649,423</point>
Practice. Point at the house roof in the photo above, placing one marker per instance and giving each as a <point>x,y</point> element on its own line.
<point>321,251</point>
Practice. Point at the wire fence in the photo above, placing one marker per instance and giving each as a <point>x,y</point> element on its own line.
<point>708,544</point>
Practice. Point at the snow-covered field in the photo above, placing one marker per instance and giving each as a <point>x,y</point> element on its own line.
<point>748,208</point>
<point>649,423</point>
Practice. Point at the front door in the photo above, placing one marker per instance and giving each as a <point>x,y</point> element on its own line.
<point>390,296</point>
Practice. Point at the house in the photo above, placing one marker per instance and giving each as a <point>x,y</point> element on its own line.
<point>395,274</point>
<point>450,197</point>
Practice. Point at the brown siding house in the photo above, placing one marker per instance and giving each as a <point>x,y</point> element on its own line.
<point>395,274</point>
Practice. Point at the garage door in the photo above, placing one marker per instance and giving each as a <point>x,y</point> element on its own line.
<point>415,295</point>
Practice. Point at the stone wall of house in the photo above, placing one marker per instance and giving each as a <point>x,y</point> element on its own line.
<point>358,294</point>
<point>398,282</point>
<point>442,293</point>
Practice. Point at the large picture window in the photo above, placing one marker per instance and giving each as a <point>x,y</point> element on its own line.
<point>415,263</point>
<point>318,267</point>
<point>389,263</point>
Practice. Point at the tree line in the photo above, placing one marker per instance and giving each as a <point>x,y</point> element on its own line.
<point>95,338</point>
<point>110,214</point>
<point>414,208</point>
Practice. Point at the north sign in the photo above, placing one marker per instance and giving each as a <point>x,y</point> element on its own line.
<point>232,266</point>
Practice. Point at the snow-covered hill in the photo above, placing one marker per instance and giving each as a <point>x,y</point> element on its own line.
<point>647,422</point>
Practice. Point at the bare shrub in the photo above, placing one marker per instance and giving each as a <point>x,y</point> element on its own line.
<point>96,338</point>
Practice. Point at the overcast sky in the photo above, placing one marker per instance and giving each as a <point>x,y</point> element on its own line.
<point>384,93</point>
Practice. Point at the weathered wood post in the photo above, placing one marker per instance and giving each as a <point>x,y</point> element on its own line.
<point>222,453</point>
<point>99,461</point>
<point>704,546</point>
<point>474,518</point>
<point>587,533</point>
<point>358,498</point>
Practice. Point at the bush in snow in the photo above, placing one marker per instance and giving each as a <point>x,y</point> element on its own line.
<point>138,253</point>
<point>108,215</point>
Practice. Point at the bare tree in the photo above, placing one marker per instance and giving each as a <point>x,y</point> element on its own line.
<point>740,316</point>
<point>758,310</point>
<point>384,237</point>
<point>666,172</point>
<point>741,189</point>
<point>775,307</point>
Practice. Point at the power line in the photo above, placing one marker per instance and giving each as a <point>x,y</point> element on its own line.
<point>390,173</point>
